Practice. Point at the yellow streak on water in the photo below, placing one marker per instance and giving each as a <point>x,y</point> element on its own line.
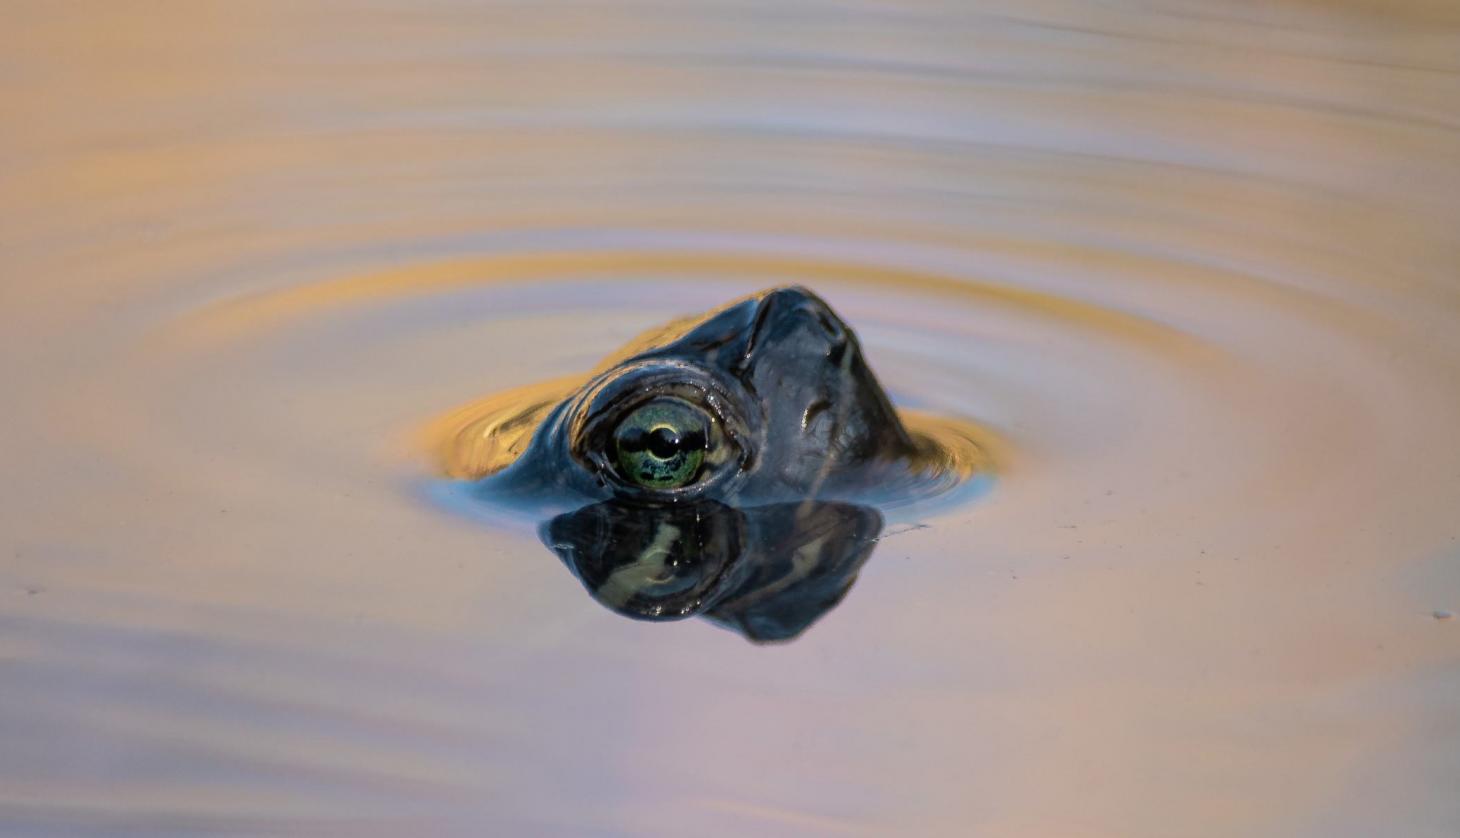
<point>237,318</point>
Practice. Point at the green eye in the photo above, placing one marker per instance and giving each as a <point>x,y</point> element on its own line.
<point>662,444</point>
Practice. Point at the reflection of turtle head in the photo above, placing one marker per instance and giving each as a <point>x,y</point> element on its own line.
<point>768,572</point>
<point>652,563</point>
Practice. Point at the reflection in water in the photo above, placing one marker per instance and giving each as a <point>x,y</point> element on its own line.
<point>768,572</point>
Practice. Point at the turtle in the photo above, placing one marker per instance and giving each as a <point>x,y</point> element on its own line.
<point>730,465</point>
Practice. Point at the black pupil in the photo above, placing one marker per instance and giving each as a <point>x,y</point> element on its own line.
<point>662,442</point>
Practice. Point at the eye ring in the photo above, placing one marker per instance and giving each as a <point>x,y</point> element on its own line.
<point>606,406</point>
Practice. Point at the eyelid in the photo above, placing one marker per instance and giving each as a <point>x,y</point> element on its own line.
<point>601,407</point>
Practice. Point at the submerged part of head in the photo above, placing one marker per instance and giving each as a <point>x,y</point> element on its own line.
<point>767,572</point>
<point>655,563</point>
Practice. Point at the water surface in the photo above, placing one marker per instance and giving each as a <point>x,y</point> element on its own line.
<point>1194,266</point>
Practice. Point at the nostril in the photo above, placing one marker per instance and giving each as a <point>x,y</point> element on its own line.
<point>831,327</point>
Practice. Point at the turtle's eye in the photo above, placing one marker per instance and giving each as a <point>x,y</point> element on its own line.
<point>663,444</point>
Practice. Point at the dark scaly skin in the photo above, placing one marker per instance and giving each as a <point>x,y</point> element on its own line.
<point>773,537</point>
